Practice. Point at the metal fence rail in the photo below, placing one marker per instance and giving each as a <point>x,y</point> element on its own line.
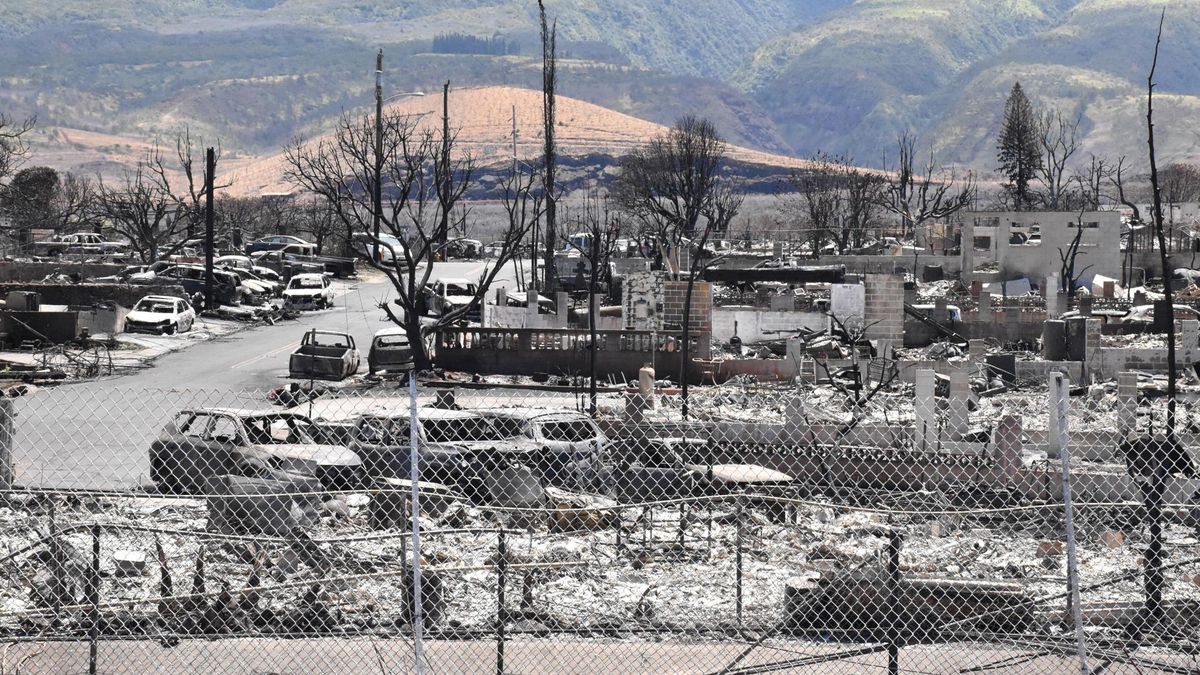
<point>774,530</point>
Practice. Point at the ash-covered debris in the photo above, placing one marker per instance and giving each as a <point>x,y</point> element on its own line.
<point>670,567</point>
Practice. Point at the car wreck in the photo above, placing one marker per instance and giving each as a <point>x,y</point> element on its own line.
<point>199,446</point>
<point>324,355</point>
<point>308,291</point>
<point>458,448</point>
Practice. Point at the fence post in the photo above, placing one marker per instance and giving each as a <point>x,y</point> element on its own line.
<point>738,560</point>
<point>501,612</point>
<point>1058,389</point>
<point>414,473</point>
<point>895,539</point>
<point>8,414</point>
<point>93,598</point>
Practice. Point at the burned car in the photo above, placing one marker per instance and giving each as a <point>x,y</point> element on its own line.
<point>458,448</point>
<point>390,352</point>
<point>308,291</point>
<point>199,446</point>
<point>162,314</point>
<point>568,442</point>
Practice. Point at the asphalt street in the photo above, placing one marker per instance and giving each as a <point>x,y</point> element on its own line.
<point>95,434</point>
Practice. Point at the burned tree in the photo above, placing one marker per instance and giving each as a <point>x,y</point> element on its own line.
<point>1158,472</point>
<point>149,208</point>
<point>601,227</point>
<point>341,171</point>
<point>14,146</point>
<point>1090,182</point>
<point>821,201</point>
<point>1069,272</point>
<point>549,35</point>
<point>1179,183</point>
<point>839,201</point>
<point>919,192</point>
<point>673,187</point>
<point>1057,134</point>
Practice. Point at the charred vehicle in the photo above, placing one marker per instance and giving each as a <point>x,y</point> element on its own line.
<point>390,352</point>
<point>162,314</point>
<point>324,355</point>
<point>200,446</point>
<point>568,443</point>
<point>458,448</point>
<point>448,295</point>
<point>308,291</point>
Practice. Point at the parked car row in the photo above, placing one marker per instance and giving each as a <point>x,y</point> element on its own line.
<point>500,456</point>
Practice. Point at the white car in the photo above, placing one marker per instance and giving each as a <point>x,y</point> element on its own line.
<point>162,314</point>
<point>446,295</point>
<point>391,249</point>
<point>308,291</point>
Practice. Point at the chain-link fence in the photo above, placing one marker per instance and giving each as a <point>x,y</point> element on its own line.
<point>961,524</point>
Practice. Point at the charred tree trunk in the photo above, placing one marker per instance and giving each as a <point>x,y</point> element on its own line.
<point>549,37</point>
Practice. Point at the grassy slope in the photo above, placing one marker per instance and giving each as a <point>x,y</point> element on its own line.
<point>860,76</point>
<point>1093,63</point>
<point>854,81</point>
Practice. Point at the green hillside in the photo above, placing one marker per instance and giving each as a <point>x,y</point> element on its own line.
<point>779,75</point>
<point>853,81</point>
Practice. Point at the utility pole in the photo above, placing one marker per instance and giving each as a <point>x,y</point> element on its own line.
<point>447,184</point>
<point>378,201</point>
<point>517,258</point>
<point>210,170</point>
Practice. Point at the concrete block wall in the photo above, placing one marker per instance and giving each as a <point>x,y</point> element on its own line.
<point>643,301</point>
<point>755,324</point>
<point>674,294</point>
<point>884,307</point>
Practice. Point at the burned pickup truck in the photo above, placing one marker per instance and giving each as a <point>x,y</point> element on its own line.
<point>200,446</point>
<point>324,355</point>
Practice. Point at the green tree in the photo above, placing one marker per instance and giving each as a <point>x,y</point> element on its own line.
<point>1018,149</point>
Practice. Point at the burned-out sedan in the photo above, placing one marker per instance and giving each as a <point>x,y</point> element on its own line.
<point>567,442</point>
<point>458,448</point>
<point>200,445</point>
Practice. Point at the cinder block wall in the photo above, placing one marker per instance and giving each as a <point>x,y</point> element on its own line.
<point>884,313</point>
<point>674,293</point>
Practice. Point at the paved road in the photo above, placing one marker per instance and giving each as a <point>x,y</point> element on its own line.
<point>95,434</point>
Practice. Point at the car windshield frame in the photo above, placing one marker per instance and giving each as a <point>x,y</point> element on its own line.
<point>471,429</point>
<point>156,307</point>
<point>264,429</point>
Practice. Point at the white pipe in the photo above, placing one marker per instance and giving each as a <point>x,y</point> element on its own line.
<point>1059,388</point>
<point>417,619</point>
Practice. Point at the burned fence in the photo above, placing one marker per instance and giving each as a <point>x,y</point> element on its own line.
<point>148,530</point>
